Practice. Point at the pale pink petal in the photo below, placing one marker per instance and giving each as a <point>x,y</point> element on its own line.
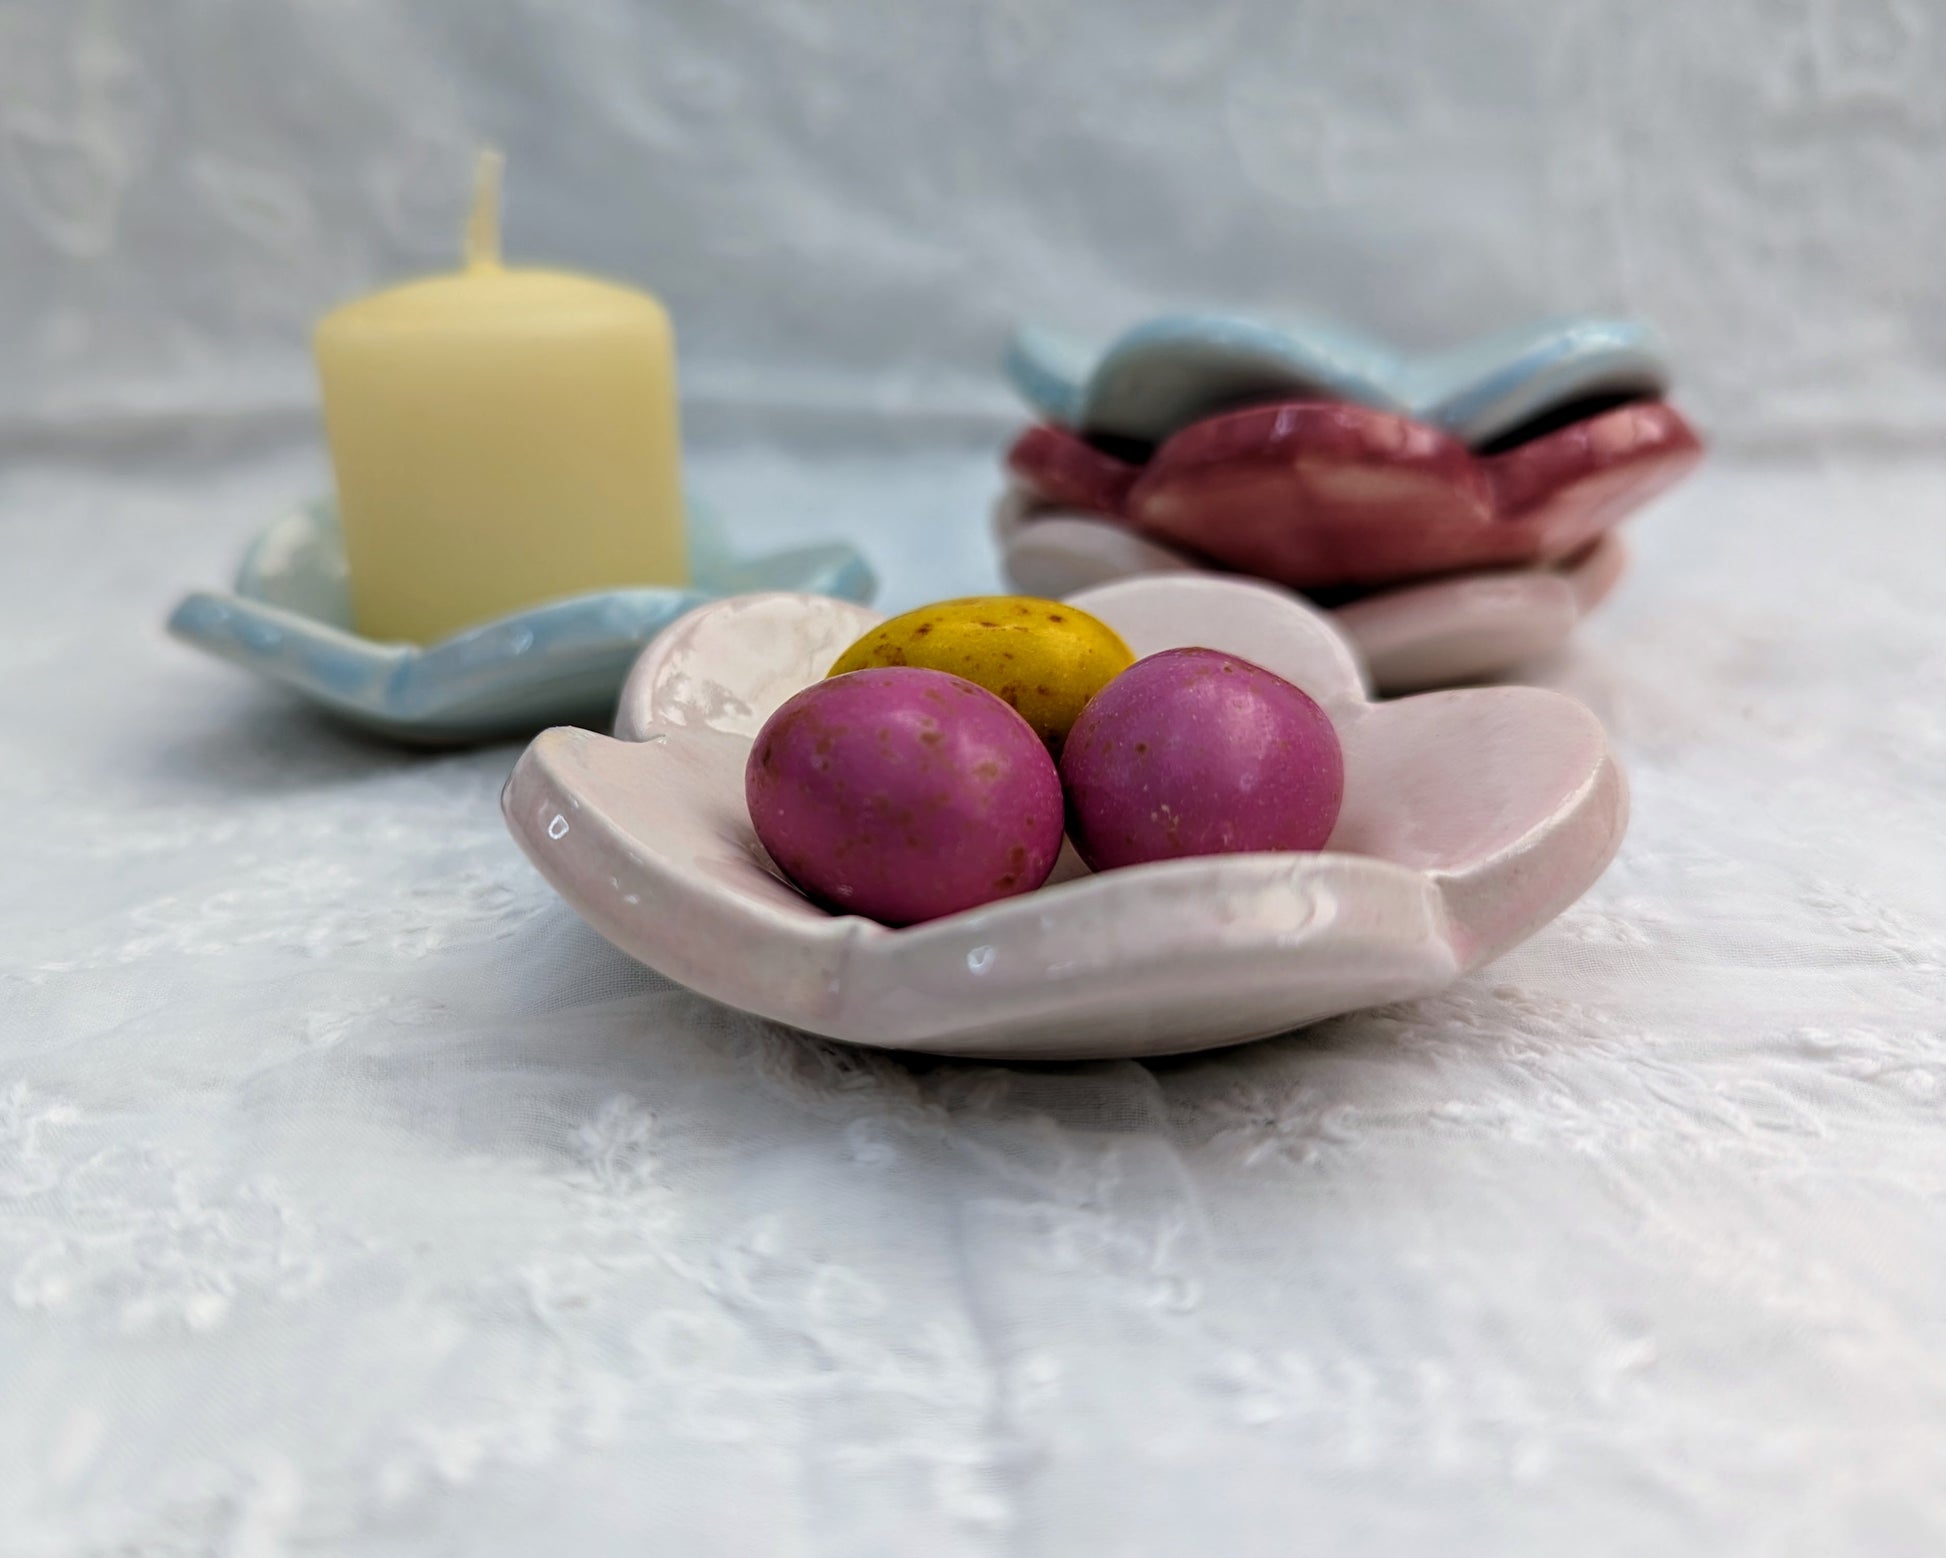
<point>1057,553</point>
<point>728,665</point>
<point>1508,797</point>
<point>1264,624</point>
<point>651,844</point>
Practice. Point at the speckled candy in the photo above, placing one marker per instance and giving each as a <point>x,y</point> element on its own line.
<point>1041,657</point>
<point>1193,752</point>
<point>904,794</point>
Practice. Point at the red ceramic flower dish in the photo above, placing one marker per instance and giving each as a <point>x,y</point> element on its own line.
<point>1326,495</point>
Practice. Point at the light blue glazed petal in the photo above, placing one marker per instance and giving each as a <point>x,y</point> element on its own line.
<point>1049,371</point>
<point>1178,369</point>
<point>1489,387</point>
<point>1172,371</point>
<point>326,663</point>
<point>559,663</point>
<point>298,565</point>
<point>554,664</point>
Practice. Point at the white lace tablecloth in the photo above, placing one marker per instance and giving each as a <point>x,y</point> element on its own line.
<point>355,1197</point>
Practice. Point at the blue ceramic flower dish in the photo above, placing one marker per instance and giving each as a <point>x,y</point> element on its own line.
<point>1177,369</point>
<point>559,663</point>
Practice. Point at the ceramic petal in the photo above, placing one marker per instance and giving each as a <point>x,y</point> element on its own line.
<point>1322,495</point>
<point>1465,628</point>
<point>1159,377</point>
<point>290,620</point>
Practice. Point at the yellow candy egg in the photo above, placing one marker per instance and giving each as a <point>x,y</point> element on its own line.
<point>1043,657</point>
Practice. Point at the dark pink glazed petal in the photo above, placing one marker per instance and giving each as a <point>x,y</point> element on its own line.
<point>1324,495</point>
<point>1317,494</point>
<point>1574,485</point>
<point>1061,468</point>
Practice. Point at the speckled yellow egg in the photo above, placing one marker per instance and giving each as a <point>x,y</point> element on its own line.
<point>1042,656</point>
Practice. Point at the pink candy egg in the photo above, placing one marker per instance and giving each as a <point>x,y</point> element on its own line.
<point>904,794</point>
<point>1193,752</point>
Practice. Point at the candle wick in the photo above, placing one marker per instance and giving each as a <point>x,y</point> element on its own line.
<point>482,246</point>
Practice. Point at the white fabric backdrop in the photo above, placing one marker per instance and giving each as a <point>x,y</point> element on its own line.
<point>355,1198</point>
<point>847,205</point>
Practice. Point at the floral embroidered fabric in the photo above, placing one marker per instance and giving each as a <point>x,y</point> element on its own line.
<point>355,1198</point>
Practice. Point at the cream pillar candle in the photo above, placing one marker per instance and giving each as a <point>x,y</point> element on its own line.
<point>500,437</point>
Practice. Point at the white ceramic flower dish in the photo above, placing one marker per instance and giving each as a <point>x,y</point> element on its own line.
<point>1471,819</point>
